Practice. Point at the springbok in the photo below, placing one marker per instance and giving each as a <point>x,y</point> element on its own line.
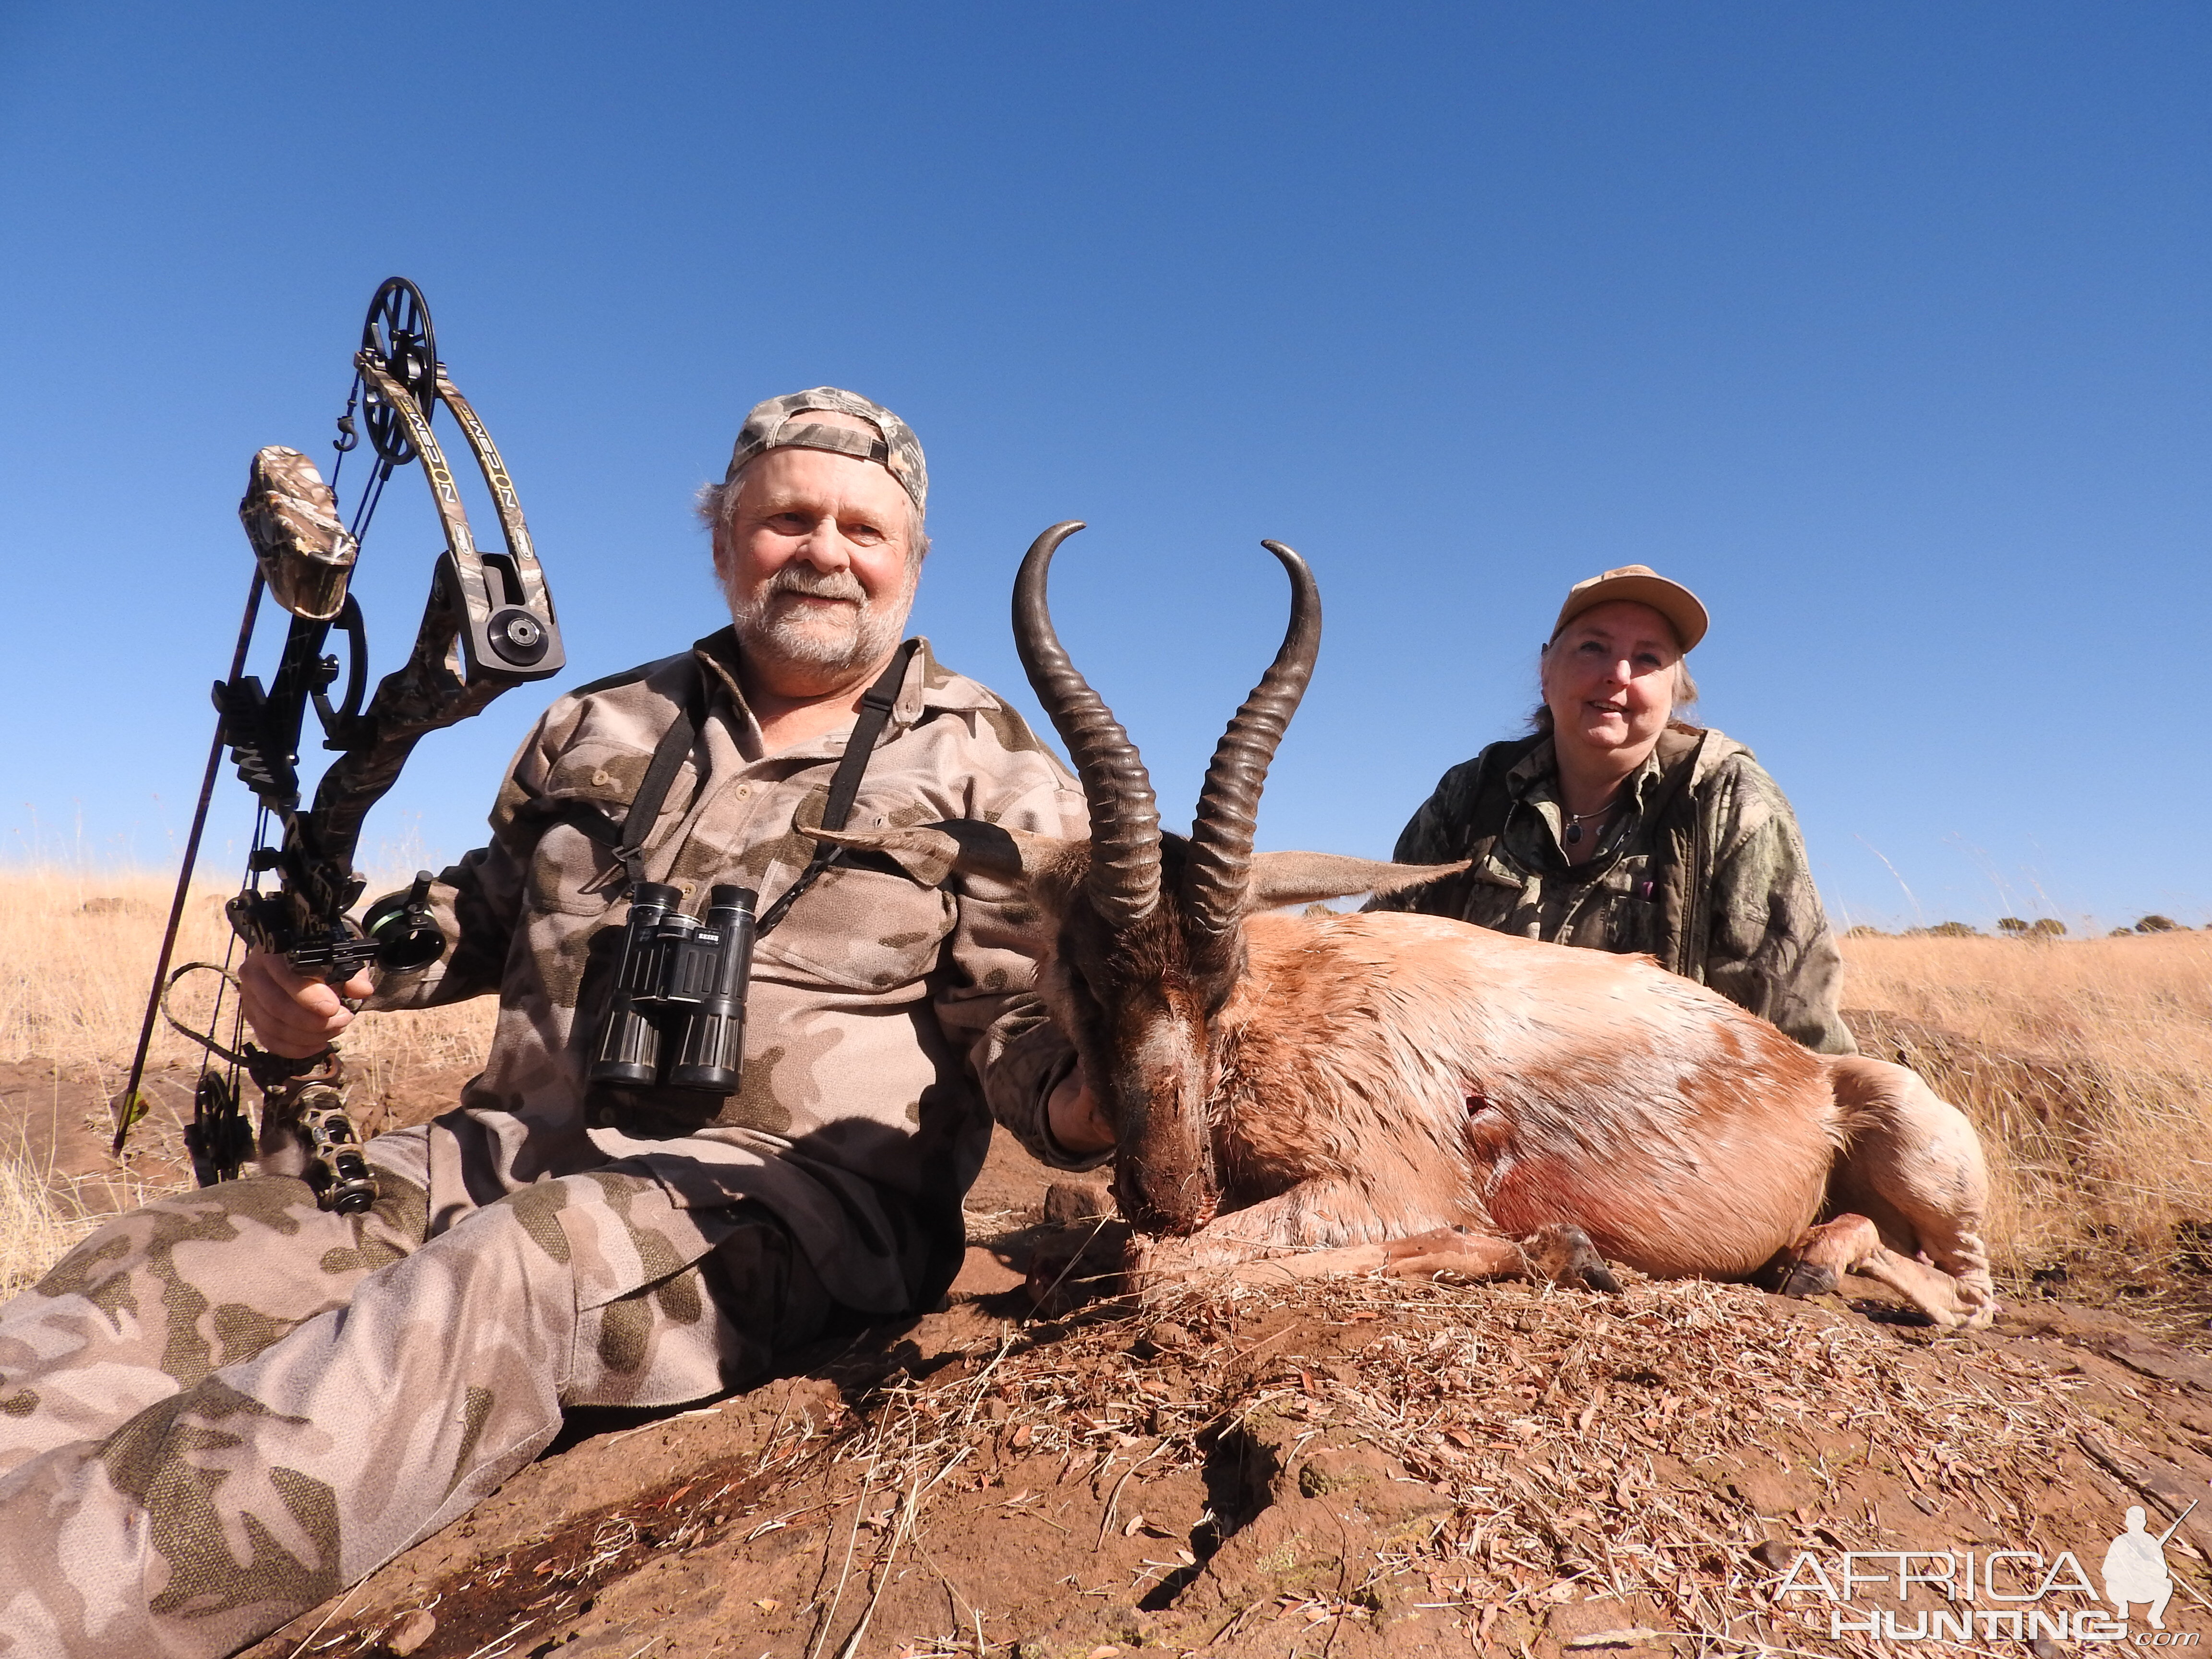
<point>1409,1093</point>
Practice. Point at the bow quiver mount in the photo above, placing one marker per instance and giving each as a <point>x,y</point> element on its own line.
<point>488,625</point>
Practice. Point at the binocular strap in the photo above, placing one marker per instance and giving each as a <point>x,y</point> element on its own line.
<point>628,843</point>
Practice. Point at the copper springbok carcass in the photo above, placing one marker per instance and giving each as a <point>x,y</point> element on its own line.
<point>1396,1091</point>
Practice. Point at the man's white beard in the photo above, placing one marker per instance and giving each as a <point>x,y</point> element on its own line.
<point>843,641</point>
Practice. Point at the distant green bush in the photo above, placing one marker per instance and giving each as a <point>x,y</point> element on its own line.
<point>2156,925</point>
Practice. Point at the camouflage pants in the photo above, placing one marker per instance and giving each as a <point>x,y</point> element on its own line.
<point>223,1408</point>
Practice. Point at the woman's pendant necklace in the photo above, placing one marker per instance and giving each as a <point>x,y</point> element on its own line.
<point>1574,820</point>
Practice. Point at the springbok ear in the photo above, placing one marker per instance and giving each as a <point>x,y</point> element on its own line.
<point>932,851</point>
<point>1280,878</point>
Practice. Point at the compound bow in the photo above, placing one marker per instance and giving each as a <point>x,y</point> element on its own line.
<point>488,625</point>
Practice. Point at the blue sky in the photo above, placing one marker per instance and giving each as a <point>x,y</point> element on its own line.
<point>1884,327</point>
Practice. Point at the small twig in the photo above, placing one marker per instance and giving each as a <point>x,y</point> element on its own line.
<point>829,1613</point>
<point>327,1617</point>
<point>1106,1524</point>
<point>883,1573</point>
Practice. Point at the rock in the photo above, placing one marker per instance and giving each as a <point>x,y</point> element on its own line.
<point>2163,1361</point>
<point>1330,1473</point>
<point>417,1628</point>
<point>1292,1545</point>
<point>1069,1201</point>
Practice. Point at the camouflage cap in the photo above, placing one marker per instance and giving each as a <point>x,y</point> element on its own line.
<point>1640,584</point>
<point>896,450</point>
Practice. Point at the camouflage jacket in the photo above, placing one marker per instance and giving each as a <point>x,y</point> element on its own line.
<point>887,1022</point>
<point>1705,870</point>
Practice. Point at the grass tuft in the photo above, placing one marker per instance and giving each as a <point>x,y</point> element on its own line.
<point>2086,1064</point>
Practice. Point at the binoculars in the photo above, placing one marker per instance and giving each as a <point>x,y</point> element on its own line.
<point>677,1019</point>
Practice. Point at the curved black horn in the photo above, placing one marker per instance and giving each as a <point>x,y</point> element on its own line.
<point>1219,868</point>
<point>1124,819</point>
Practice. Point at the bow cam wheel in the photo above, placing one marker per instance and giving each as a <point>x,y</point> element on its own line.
<point>397,332</point>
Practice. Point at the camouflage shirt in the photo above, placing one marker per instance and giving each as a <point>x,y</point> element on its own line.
<point>1704,869</point>
<point>887,1022</point>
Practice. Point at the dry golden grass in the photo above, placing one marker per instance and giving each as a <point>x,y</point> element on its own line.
<point>44,1213</point>
<point>35,1229</point>
<point>80,952</point>
<point>2086,1064</point>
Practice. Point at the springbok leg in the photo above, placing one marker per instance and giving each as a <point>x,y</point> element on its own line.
<point>1560,1252</point>
<point>1852,1244</point>
<point>1302,1234</point>
<point>1913,1166</point>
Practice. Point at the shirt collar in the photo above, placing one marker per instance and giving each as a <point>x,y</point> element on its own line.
<point>1535,776</point>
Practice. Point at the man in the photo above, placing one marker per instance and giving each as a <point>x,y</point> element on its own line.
<point>223,1408</point>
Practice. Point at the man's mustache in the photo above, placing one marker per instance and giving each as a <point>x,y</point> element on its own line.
<point>816,584</point>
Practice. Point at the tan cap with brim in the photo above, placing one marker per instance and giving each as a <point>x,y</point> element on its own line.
<point>1639,583</point>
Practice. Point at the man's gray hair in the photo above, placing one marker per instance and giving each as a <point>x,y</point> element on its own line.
<point>717,504</point>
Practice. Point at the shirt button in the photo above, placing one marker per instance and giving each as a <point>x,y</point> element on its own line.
<point>743,790</point>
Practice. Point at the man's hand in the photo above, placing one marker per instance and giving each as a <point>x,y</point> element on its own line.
<point>291,1016</point>
<point>1077,1125</point>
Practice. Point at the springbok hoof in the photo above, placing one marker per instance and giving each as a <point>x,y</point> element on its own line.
<point>1562,1253</point>
<point>1806,1280</point>
<point>1816,1263</point>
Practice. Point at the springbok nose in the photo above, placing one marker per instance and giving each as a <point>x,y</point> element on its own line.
<point>1172,1209</point>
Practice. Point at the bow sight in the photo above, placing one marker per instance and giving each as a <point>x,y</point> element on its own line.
<point>488,625</point>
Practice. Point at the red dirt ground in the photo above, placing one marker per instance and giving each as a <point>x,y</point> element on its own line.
<point>1345,1468</point>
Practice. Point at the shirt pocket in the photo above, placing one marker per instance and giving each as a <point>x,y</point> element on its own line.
<point>1630,912</point>
<point>860,929</point>
<point>1632,926</point>
<point>570,871</point>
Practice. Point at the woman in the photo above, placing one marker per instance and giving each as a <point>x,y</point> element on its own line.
<point>1616,826</point>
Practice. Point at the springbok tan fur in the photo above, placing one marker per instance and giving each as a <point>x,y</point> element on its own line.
<point>1382,1078</point>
